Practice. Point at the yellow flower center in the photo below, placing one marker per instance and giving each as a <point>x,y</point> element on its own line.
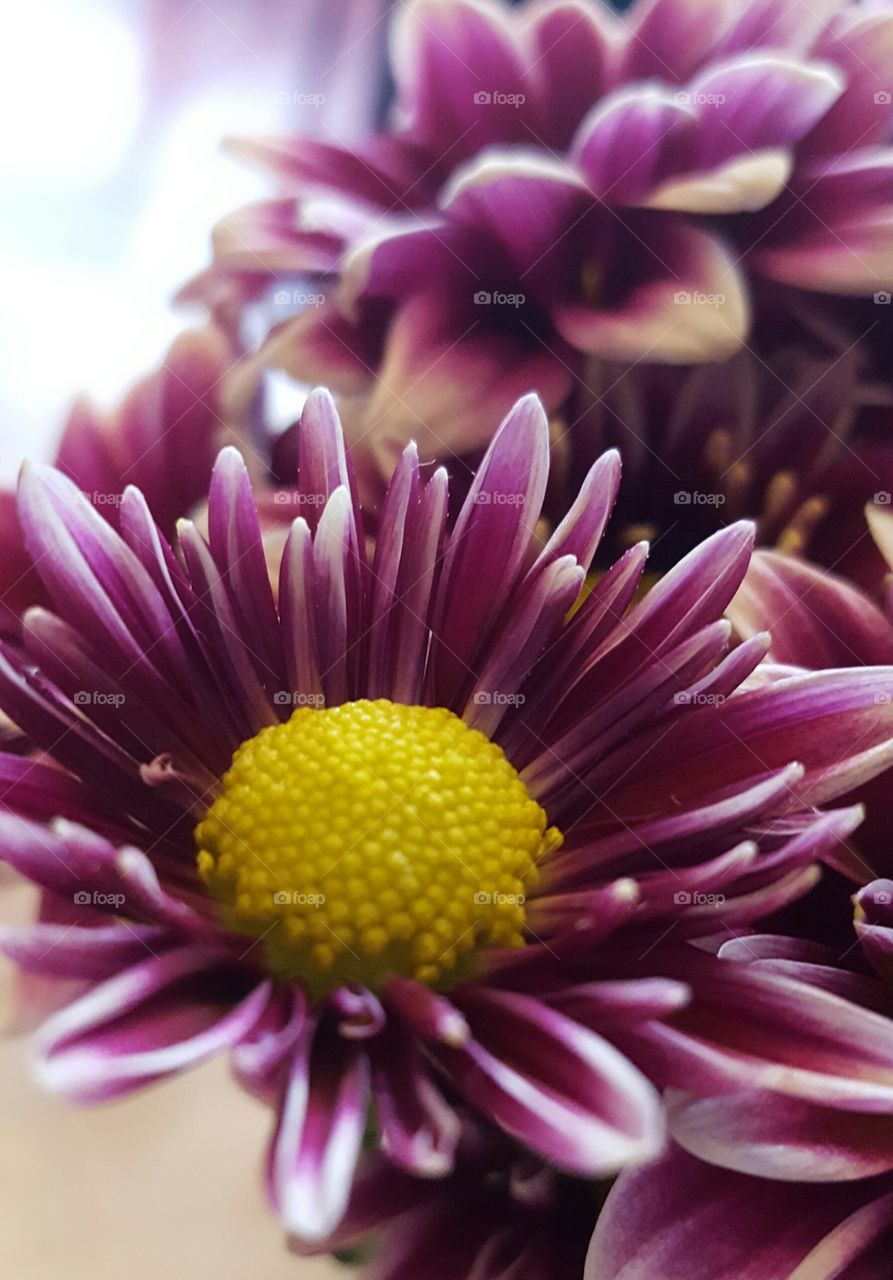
<point>373,839</point>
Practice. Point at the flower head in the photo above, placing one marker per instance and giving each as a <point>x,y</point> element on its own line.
<point>424,826</point>
<point>559,182</point>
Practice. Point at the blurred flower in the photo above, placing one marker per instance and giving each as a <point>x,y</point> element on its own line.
<point>163,439</point>
<point>560,182</point>
<point>415,832</point>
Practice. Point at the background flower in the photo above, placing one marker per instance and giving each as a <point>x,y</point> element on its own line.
<point>559,182</point>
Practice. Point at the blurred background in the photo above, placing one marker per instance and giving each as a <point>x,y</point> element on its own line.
<point>111,171</point>
<point>111,176</point>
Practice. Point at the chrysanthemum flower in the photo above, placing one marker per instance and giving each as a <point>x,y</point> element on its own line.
<point>410,833</point>
<point>560,182</point>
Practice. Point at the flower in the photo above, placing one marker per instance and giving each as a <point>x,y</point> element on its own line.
<point>163,438</point>
<point>419,830</point>
<point>559,183</point>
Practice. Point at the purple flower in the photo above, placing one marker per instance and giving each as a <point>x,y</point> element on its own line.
<point>560,183</point>
<point>162,438</point>
<point>425,827</point>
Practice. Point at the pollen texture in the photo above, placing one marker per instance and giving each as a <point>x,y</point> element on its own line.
<point>373,839</point>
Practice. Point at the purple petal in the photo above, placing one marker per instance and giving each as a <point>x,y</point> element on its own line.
<point>791,1139</point>
<point>316,1145</point>
<point>488,545</point>
<point>693,308</point>
<point>150,1021</point>
<point>558,1087</point>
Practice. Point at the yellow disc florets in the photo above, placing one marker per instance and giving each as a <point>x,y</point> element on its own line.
<point>373,839</point>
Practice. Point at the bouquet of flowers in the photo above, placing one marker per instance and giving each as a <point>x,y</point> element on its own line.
<point>495,759</point>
